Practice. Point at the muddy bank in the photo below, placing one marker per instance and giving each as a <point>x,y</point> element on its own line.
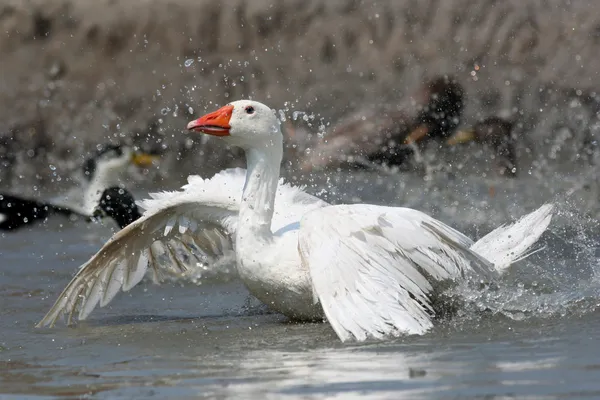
<point>75,73</point>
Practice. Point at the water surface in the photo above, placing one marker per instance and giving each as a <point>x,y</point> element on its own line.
<point>532,336</point>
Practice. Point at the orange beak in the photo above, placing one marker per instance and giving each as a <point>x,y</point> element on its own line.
<point>216,123</point>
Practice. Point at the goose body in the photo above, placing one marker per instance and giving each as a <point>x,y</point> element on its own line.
<point>368,270</point>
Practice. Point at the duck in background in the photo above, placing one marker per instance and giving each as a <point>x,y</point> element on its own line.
<point>116,203</point>
<point>387,136</point>
<point>496,133</point>
<point>101,173</point>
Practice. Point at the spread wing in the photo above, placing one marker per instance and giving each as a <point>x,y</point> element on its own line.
<point>179,231</point>
<point>373,267</point>
<point>166,242</point>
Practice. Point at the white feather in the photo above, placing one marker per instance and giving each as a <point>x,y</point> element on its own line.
<point>169,226</point>
<point>510,243</point>
<point>205,210</point>
<point>114,283</point>
<point>136,270</point>
<point>367,265</point>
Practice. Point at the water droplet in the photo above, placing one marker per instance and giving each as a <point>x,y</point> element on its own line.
<point>282,116</point>
<point>52,167</point>
<point>164,111</point>
<point>321,131</point>
<point>188,62</point>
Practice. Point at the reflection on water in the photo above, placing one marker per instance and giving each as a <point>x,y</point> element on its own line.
<point>532,336</point>
<point>245,363</point>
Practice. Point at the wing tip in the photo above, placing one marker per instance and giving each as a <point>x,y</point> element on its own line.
<point>41,324</point>
<point>49,320</point>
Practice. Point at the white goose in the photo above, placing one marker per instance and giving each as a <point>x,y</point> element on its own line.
<point>369,270</point>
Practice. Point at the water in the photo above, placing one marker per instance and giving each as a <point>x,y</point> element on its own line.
<point>532,336</point>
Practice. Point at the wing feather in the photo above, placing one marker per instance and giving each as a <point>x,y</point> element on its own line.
<point>123,261</point>
<point>178,232</point>
<point>115,282</point>
<point>373,268</point>
<point>135,274</point>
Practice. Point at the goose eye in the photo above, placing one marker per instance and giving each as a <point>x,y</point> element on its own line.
<point>249,110</point>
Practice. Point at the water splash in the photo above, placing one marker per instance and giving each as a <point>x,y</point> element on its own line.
<point>561,280</point>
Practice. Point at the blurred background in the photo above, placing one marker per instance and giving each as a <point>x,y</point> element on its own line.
<point>79,73</point>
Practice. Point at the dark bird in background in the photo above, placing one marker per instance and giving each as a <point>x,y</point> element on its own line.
<point>443,100</point>
<point>496,133</point>
<point>104,170</point>
<point>384,136</point>
<point>16,212</point>
<point>116,203</point>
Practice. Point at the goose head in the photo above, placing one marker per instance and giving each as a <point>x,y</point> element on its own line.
<point>244,123</point>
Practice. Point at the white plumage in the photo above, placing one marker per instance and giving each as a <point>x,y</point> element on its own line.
<point>399,253</point>
<point>200,219</point>
<point>370,270</point>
